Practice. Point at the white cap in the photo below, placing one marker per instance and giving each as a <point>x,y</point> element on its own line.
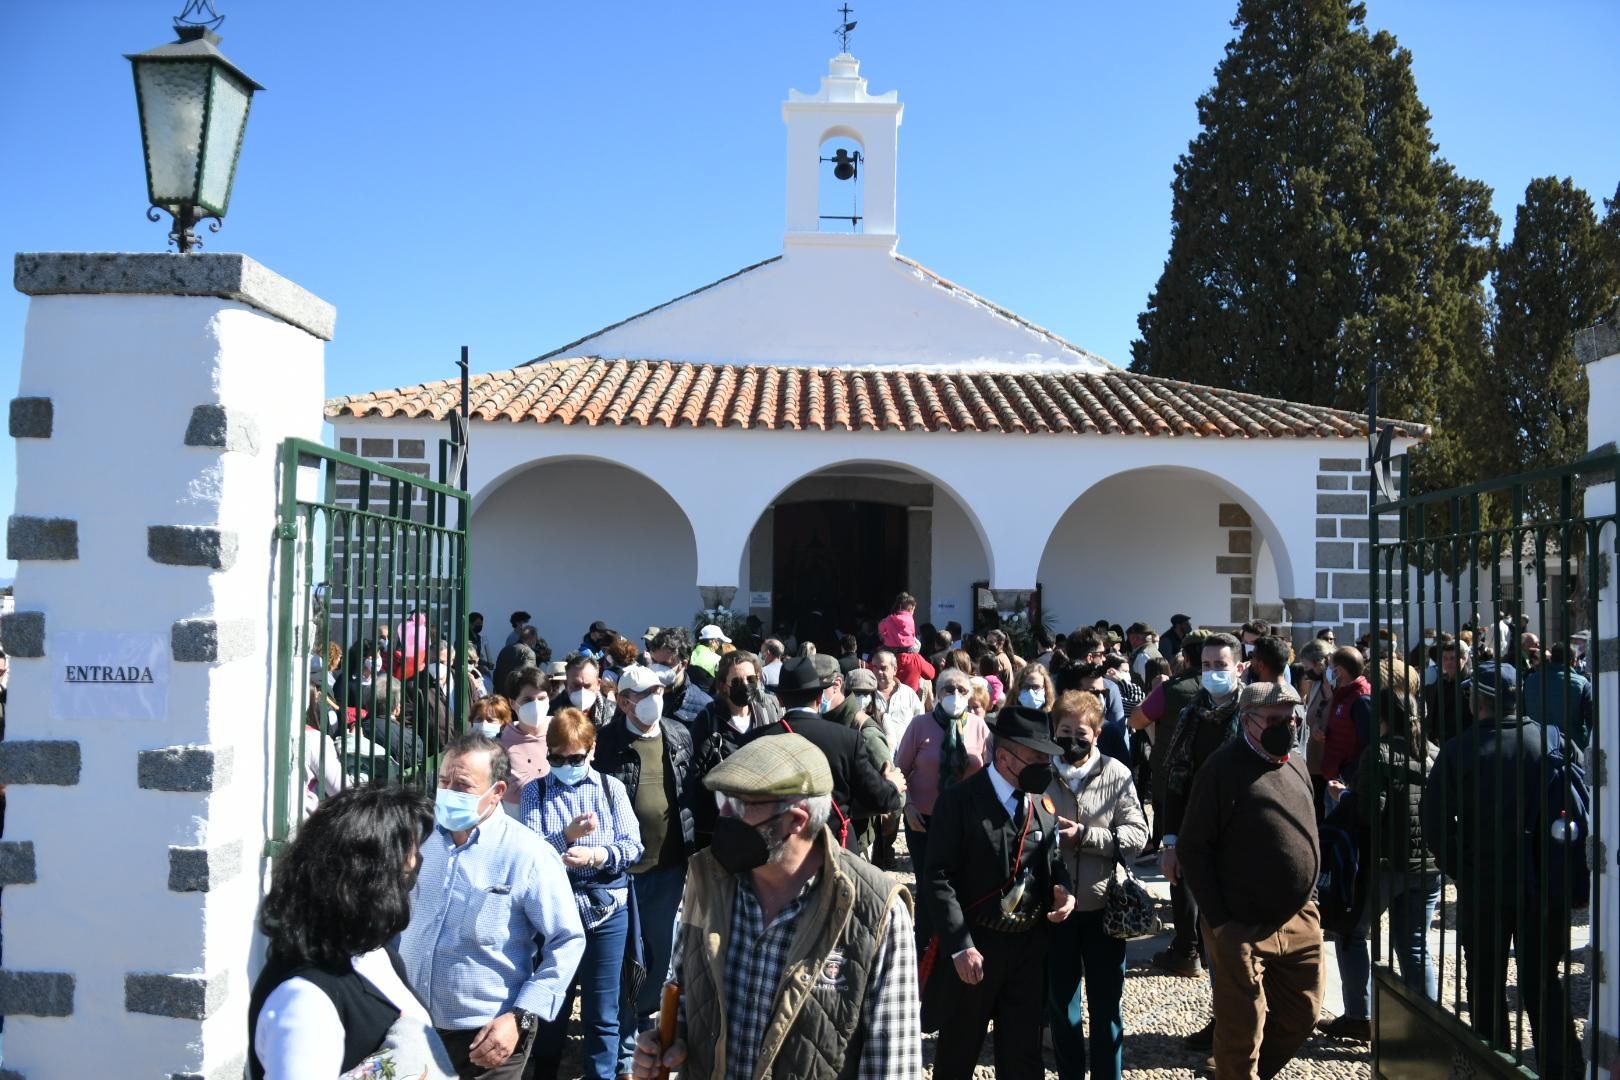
<point>712,632</point>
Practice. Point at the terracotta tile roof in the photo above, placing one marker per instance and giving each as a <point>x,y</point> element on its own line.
<point>594,391</point>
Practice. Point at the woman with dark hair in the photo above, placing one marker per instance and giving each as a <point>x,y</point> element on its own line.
<point>333,993</point>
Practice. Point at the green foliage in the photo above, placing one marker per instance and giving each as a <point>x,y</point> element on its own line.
<point>1560,273</point>
<point>1316,231</point>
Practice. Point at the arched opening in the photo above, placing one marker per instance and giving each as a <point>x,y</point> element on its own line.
<point>833,549</point>
<point>1150,543</point>
<point>841,182</point>
<point>576,540</point>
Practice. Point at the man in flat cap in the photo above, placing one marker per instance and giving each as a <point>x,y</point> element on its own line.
<point>794,957</point>
<point>1248,852</point>
<point>993,883</point>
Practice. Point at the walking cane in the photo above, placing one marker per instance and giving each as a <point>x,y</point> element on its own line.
<point>668,1009</point>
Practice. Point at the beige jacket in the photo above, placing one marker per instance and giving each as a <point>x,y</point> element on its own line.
<point>1107,806</point>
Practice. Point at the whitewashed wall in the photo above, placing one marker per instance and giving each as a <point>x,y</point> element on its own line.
<point>581,540</point>
<point>958,561</point>
<point>1140,545</point>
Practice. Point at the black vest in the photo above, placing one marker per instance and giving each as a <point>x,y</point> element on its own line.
<point>366,1013</point>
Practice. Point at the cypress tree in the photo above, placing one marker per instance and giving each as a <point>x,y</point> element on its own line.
<point>1559,274</point>
<point>1315,229</point>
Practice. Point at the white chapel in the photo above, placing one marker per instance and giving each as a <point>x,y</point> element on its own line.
<point>734,446</point>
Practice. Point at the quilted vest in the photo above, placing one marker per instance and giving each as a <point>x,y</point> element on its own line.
<point>813,1031</point>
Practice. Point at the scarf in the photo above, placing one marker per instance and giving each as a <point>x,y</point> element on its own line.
<point>952,752</point>
<point>1200,715</point>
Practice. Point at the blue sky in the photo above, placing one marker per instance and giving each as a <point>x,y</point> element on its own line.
<point>511,175</point>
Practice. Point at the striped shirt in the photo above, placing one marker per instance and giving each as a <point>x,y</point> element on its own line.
<point>549,805</point>
<point>754,963</point>
<point>477,914</point>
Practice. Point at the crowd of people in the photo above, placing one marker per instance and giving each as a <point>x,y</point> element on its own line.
<point>719,816</point>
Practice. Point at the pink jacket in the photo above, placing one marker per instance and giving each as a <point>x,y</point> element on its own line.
<point>918,756</point>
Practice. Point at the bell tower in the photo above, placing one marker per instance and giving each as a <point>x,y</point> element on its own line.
<point>841,144</point>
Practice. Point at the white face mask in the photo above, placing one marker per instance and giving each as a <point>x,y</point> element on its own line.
<point>532,714</point>
<point>437,671</point>
<point>583,700</point>
<point>953,703</point>
<point>490,729</point>
<point>649,710</point>
<point>665,673</point>
<point>862,702</point>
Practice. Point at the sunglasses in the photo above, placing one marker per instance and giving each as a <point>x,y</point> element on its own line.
<point>571,759</point>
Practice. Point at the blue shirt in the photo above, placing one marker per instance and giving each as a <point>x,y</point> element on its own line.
<point>493,926</point>
<point>548,807</point>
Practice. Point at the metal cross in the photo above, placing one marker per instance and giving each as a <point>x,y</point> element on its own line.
<point>844,28</point>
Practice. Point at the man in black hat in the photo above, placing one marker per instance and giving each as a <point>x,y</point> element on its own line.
<point>859,790</point>
<point>1170,640</point>
<point>993,883</point>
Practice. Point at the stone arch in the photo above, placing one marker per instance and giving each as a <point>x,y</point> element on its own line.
<point>1165,537</point>
<point>550,537</point>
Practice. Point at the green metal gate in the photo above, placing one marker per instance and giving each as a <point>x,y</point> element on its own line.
<point>371,625</point>
<point>1477,561</point>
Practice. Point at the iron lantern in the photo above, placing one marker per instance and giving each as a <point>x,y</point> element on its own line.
<point>193,104</point>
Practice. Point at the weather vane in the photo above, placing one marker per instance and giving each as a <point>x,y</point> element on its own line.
<point>199,13</point>
<point>844,27</point>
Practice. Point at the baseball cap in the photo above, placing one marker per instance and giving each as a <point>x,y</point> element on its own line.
<point>712,632</point>
<point>638,679</point>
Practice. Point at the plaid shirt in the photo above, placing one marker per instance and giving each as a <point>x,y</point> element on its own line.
<point>549,805</point>
<point>893,1047</point>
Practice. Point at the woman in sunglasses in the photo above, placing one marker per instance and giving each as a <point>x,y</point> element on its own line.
<point>587,816</point>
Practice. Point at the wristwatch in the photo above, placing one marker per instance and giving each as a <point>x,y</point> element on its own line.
<point>525,1020</point>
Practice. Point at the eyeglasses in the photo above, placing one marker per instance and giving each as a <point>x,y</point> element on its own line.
<point>570,759</point>
<point>732,806</point>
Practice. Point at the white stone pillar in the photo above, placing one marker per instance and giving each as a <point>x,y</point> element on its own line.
<point>155,392</point>
<point>1599,347</point>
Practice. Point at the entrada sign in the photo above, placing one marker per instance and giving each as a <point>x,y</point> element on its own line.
<point>109,676</point>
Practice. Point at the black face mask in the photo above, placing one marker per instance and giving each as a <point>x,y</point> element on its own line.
<point>740,847</point>
<point>1278,739</point>
<point>737,693</point>
<point>1035,779</point>
<point>1074,750</point>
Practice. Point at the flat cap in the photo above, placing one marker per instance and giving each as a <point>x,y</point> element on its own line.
<point>861,681</point>
<point>1260,694</point>
<point>773,766</point>
<point>1314,651</point>
<point>827,669</point>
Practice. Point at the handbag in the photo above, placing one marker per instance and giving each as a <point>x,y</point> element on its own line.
<point>1129,910</point>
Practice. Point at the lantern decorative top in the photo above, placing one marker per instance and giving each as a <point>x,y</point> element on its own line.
<point>193,105</point>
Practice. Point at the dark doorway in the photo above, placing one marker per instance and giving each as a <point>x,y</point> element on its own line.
<point>837,564</point>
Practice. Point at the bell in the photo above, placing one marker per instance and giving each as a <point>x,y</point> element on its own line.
<point>843,166</point>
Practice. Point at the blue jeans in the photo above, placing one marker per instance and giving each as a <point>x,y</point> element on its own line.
<point>1082,950</point>
<point>1410,899</point>
<point>658,896</point>
<point>597,983</point>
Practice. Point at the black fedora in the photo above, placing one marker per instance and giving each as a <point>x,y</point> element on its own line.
<point>799,676</point>
<point>1026,727</point>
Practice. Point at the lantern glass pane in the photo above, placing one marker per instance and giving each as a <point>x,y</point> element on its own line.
<point>227,116</point>
<point>173,94</point>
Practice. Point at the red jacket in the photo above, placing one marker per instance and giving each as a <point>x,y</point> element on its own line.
<point>1348,727</point>
<point>911,669</point>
